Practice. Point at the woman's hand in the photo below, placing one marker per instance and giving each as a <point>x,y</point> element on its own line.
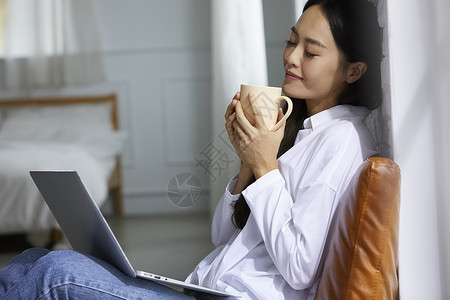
<point>229,118</point>
<point>244,178</point>
<point>245,173</point>
<point>256,145</point>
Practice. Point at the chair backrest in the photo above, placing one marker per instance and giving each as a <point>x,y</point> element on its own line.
<point>362,260</point>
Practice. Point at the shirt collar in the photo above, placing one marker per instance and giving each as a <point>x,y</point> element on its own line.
<point>334,113</point>
<point>337,112</point>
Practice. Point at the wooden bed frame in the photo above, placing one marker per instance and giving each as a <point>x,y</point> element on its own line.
<point>115,179</point>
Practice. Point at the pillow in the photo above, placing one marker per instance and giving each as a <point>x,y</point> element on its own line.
<point>84,125</point>
<point>56,123</point>
<point>104,147</point>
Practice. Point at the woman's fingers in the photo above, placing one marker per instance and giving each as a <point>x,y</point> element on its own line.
<point>230,108</point>
<point>229,123</point>
<point>239,131</point>
<point>241,139</point>
<point>280,114</point>
<point>241,119</point>
<point>256,111</point>
<point>229,127</point>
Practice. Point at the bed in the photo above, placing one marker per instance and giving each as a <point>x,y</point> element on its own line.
<point>76,133</point>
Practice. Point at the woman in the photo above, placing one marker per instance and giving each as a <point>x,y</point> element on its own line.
<point>274,247</point>
<point>270,226</point>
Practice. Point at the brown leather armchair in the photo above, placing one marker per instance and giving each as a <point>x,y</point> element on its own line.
<point>362,260</point>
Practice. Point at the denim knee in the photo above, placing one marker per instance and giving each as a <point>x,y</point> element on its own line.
<point>34,271</point>
<point>62,260</point>
<point>19,267</point>
<point>73,273</point>
<point>69,274</point>
<point>33,254</point>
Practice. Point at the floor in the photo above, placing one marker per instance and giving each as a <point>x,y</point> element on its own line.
<point>166,245</point>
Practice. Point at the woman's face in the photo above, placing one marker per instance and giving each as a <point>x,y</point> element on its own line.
<point>314,65</point>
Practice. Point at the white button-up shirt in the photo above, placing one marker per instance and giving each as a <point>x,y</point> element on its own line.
<point>277,254</point>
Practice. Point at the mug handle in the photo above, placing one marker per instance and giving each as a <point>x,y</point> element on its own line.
<point>286,115</point>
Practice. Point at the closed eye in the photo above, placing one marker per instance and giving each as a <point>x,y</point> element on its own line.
<point>309,55</point>
<point>290,44</point>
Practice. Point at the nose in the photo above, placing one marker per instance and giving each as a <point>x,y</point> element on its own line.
<point>292,57</point>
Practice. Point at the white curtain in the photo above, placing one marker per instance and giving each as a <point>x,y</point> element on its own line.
<point>2,24</point>
<point>380,120</point>
<point>238,56</point>
<point>419,39</point>
<point>442,10</point>
<point>442,112</point>
<point>299,4</point>
<point>50,43</point>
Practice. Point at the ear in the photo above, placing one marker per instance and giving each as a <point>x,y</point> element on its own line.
<point>355,71</point>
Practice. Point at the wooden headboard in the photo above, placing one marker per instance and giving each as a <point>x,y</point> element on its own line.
<point>69,100</point>
<point>115,179</point>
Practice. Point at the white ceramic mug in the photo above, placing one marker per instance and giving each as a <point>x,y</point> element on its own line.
<point>268,100</point>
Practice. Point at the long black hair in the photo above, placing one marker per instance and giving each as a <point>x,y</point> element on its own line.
<point>355,29</point>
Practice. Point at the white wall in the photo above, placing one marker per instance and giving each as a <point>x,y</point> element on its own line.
<point>158,53</point>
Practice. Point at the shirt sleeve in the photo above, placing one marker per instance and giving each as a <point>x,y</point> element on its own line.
<point>294,233</point>
<point>222,226</point>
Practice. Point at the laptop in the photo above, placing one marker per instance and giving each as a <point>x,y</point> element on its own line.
<point>87,230</point>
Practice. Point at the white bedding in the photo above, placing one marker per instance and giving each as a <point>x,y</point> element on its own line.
<point>78,139</point>
<point>22,208</point>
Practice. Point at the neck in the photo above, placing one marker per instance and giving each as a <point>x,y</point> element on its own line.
<point>313,107</point>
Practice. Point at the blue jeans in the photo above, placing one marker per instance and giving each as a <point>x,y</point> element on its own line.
<point>41,274</point>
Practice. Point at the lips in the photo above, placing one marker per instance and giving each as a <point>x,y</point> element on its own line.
<point>292,76</point>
